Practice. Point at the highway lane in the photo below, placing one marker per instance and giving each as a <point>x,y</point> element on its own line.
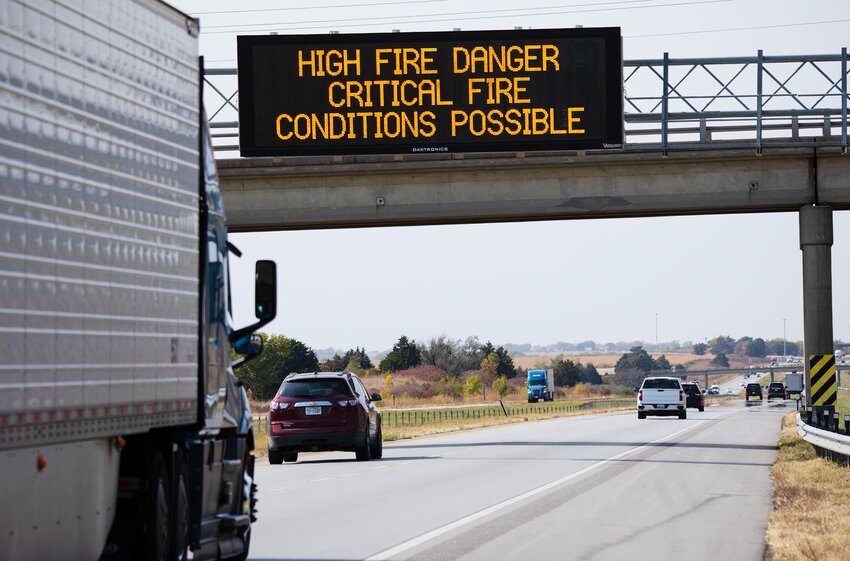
<point>585,488</point>
<point>739,383</point>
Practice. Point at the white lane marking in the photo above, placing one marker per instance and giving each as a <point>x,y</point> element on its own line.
<point>417,541</point>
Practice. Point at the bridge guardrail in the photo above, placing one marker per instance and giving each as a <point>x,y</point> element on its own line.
<point>829,440</point>
<point>682,104</point>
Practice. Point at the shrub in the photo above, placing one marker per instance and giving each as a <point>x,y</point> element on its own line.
<point>473,385</point>
<point>427,372</point>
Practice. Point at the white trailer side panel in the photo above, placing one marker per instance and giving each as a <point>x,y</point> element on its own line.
<point>99,238</point>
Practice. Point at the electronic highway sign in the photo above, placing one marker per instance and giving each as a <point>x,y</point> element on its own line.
<point>477,91</point>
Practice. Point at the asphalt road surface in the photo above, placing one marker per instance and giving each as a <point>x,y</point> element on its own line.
<point>602,487</point>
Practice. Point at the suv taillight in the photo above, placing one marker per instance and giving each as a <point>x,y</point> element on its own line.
<point>278,405</point>
<point>347,402</point>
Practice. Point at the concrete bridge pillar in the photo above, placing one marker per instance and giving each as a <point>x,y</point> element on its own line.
<point>816,245</point>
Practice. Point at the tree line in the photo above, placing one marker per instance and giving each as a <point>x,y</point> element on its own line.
<point>282,355</point>
<point>747,346</point>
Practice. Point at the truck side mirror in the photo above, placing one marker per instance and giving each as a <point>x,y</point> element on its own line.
<point>265,299</point>
<point>265,290</point>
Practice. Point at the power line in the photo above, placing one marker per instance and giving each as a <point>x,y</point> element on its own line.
<point>395,19</point>
<point>331,6</point>
<point>694,32</point>
<point>372,18</point>
<point>735,29</point>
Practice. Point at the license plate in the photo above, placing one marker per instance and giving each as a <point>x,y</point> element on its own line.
<point>313,411</point>
<point>661,406</point>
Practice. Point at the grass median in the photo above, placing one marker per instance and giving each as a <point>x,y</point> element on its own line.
<point>410,423</point>
<point>810,519</point>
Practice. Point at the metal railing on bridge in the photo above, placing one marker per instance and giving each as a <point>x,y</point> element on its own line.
<point>680,104</point>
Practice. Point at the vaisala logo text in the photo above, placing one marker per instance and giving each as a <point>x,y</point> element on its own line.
<point>431,149</point>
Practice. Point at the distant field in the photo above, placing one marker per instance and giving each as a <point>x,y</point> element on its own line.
<point>604,362</point>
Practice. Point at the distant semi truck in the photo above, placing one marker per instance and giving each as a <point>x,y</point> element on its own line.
<point>123,431</point>
<point>793,385</point>
<point>541,385</point>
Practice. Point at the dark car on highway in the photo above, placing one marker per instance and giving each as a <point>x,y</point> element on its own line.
<point>776,389</point>
<point>753,390</point>
<point>323,411</point>
<point>694,396</point>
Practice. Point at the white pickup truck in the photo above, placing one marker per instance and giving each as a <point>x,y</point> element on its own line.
<point>661,396</point>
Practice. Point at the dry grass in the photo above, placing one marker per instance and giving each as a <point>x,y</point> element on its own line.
<point>412,431</point>
<point>810,519</point>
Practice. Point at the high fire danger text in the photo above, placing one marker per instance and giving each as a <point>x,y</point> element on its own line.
<point>555,89</point>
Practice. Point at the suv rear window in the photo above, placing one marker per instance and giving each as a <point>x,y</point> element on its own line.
<point>690,389</point>
<point>775,385</point>
<point>661,384</point>
<point>317,387</point>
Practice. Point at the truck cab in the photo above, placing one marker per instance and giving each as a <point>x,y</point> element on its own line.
<point>541,385</point>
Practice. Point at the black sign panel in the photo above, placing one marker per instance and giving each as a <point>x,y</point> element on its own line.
<point>480,91</point>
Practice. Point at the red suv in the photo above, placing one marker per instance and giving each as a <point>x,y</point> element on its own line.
<point>323,411</point>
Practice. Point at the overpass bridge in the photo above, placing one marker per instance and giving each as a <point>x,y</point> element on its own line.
<point>716,372</point>
<point>701,136</point>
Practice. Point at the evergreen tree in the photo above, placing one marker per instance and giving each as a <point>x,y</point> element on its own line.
<point>720,360</point>
<point>636,359</point>
<point>405,354</point>
<point>566,372</point>
<point>589,375</point>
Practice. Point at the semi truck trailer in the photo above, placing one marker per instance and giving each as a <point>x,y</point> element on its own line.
<point>794,385</point>
<point>124,433</point>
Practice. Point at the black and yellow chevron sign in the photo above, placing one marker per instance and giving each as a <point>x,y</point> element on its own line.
<point>824,385</point>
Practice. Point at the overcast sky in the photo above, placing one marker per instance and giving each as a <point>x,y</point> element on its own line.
<point>543,282</point>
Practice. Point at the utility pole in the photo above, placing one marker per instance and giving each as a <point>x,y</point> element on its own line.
<point>656,332</point>
<point>783,340</point>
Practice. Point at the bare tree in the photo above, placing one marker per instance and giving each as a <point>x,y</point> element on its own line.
<point>629,377</point>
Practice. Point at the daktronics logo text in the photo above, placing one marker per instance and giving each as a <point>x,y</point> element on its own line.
<point>431,149</point>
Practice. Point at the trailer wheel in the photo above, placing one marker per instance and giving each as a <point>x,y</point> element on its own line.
<point>180,520</point>
<point>157,507</point>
